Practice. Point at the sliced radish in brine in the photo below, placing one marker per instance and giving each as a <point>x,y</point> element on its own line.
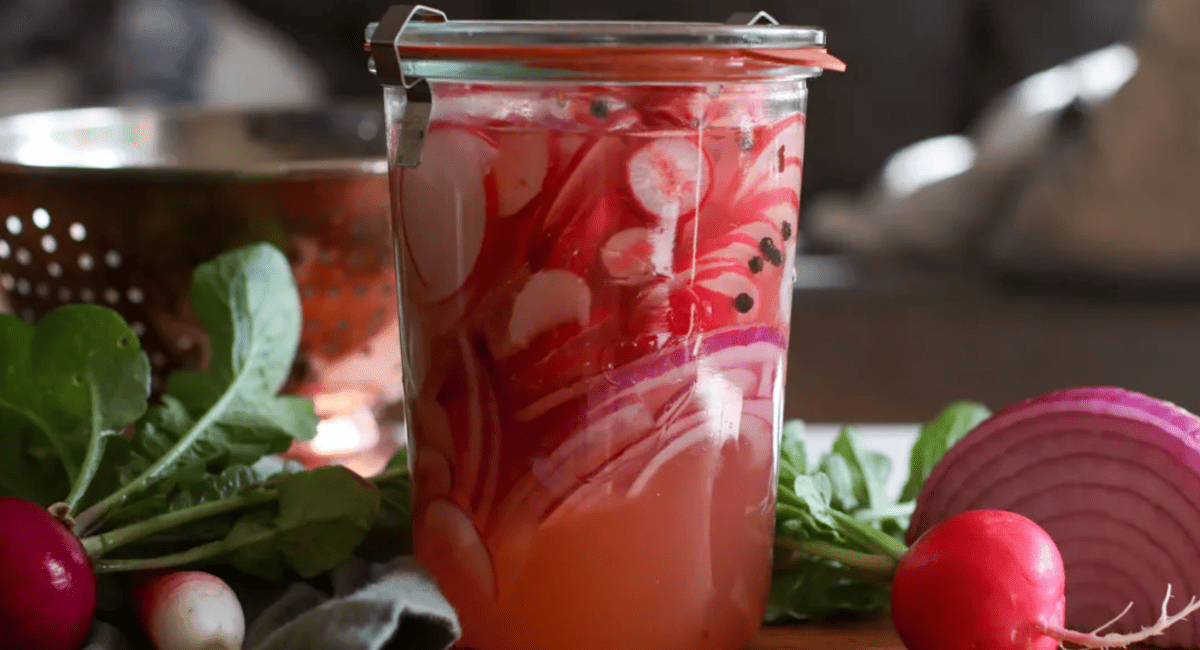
<point>668,177</point>
<point>586,178</point>
<point>779,161</point>
<point>521,166</point>
<point>622,412</point>
<point>443,208</point>
<point>449,545</point>
<point>626,255</point>
<point>549,298</point>
<point>433,475</point>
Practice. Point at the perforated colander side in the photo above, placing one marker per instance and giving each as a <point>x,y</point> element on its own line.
<point>132,243</point>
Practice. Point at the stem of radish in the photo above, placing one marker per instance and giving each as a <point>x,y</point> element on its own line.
<point>91,461</point>
<point>887,512</point>
<point>193,555</point>
<point>878,566</point>
<point>98,545</point>
<point>164,464</point>
<point>870,538</point>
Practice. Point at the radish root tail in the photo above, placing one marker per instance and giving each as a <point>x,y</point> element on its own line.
<point>1115,640</point>
<point>1123,613</point>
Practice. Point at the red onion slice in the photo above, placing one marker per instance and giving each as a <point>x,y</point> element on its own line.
<point>1114,478</point>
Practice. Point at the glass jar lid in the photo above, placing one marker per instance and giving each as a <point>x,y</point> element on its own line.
<point>748,46</point>
<point>606,34</point>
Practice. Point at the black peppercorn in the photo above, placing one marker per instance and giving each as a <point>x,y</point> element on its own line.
<point>746,141</point>
<point>786,228</point>
<point>770,252</point>
<point>743,302</point>
<point>756,264</point>
<point>599,108</point>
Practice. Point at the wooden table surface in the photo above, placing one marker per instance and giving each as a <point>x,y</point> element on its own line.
<point>859,635</point>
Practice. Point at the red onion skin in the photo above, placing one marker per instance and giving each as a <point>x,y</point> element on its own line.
<point>981,580</point>
<point>1092,507</point>
<point>1115,402</point>
<point>47,587</point>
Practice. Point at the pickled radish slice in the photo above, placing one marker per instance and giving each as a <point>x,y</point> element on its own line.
<point>450,545</point>
<point>443,208</point>
<point>643,407</point>
<point>778,161</point>
<point>668,177</point>
<point>525,159</point>
<point>549,298</point>
<point>734,296</point>
<point>432,472</point>
<point>626,255</point>
<point>584,180</point>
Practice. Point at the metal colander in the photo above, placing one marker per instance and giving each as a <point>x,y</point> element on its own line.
<point>118,206</point>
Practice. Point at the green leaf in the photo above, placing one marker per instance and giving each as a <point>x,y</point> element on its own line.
<point>121,463</point>
<point>396,494</point>
<point>24,428</point>
<point>392,533</point>
<point>323,516</point>
<point>846,492</point>
<point>936,438</point>
<point>250,307</point>
<point>90,368</point>
<point>859,472</point>
<point>76,376</point>
<point>251,545</point>
<point>802,512</point>
<point>29,467</point>
<point>819,589</point>
<point>248,303</point>
<point>793,457</point>
<point>17,388</point>
<point>230,412</point>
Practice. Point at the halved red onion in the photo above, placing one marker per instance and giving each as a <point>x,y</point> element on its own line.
<point>1114,478</point>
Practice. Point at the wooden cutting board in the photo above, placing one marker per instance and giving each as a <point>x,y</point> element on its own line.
<point>858,635</point>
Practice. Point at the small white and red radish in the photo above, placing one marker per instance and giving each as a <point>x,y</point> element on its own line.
<point>549,298</point>
<point>521,163</point>
<point>443,209</point>
<point>189,610</point>
<point>992,580</point>
<point>48,589</point>
<point>669,177</point>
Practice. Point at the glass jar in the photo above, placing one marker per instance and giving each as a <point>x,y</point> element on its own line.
<point>595,226</point>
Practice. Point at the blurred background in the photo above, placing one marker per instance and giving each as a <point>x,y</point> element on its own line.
<point>997,195</point>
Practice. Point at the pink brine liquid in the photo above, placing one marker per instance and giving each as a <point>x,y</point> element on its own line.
<point>595,288</point>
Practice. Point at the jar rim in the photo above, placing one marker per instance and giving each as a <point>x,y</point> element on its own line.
<point>605,34</point>
<point>412,42</point>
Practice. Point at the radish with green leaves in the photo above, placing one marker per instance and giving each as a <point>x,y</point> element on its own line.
<point>983,577</point>
<point>179,489</point>
<point>48,591</point>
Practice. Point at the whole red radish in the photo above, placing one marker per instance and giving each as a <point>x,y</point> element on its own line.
<point>48,590</point>
<point>189,610</point>
<point>992,580</point>
<point>983,580</point>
